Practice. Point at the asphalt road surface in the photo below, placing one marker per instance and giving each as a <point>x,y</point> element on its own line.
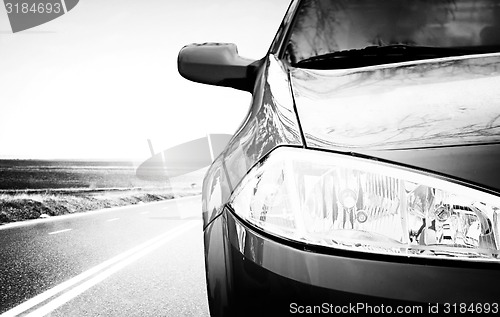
<point>141,260</point>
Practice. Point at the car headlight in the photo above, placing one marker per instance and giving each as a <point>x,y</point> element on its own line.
<point>345,202</point>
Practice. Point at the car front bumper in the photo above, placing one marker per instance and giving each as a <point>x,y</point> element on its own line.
<point>258,273</point>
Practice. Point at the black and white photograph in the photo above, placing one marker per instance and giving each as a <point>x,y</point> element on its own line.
<point>249,158</point>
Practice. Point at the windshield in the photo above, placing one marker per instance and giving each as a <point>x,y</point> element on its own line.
<point>330,26</point>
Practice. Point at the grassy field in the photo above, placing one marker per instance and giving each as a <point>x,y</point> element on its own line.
<point>33,189</point>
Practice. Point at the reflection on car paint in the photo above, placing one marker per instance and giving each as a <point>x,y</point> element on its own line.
<point>337,107</point>
<point>241,234</point>
<point>216,193</point>
<point>270,122</point>
<point>216,252</point>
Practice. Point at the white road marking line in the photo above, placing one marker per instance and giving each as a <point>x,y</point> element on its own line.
<point>60,231</point>
<point>66,297</point>
<point>144,212</point>
<point>132,253</point>
<point>113,219</point>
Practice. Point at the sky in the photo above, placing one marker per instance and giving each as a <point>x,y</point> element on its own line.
<point>101,80</point>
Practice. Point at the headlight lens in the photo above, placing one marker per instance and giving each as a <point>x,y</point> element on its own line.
<point>358,204</point>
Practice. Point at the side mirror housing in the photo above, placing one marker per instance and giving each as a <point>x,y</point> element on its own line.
<point>217,64</point>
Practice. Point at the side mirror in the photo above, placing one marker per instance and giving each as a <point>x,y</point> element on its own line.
<point>217,64</point>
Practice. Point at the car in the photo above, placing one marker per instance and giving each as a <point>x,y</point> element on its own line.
<point>365,177</point>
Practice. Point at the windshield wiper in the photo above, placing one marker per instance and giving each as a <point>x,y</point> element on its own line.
<point>373,55</point>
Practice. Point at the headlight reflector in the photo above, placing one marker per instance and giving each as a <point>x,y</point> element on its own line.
<point>345,202</point>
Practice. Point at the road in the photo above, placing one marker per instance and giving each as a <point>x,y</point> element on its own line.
<point>141,260</point>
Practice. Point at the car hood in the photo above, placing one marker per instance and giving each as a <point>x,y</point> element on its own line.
<point>441,115</point>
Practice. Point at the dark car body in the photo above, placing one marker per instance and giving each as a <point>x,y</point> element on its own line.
<point>435,116</point>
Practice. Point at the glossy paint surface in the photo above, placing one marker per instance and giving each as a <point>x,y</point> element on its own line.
<point>476,164</point>
<point>271,122</point>
<point>441,102</point>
